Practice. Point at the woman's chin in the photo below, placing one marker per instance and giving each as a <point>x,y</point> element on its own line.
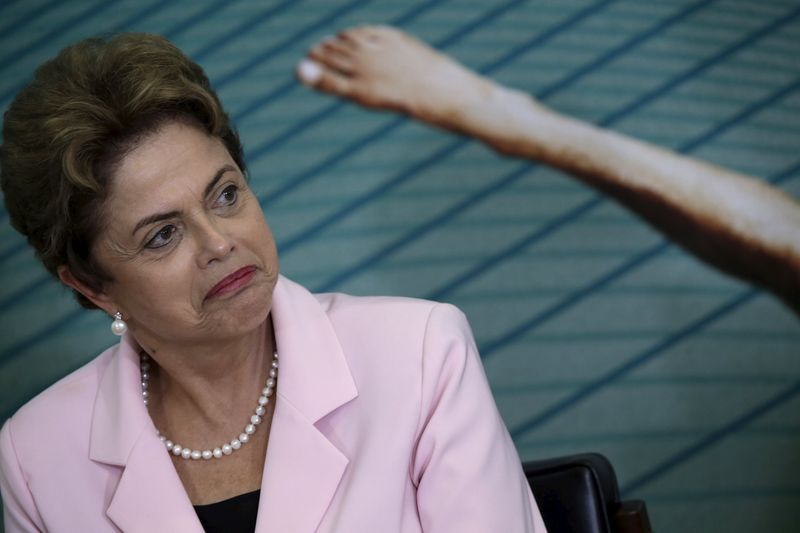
<point>241,312</point>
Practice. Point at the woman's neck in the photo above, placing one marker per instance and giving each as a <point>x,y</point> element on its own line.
<point>207,384</point>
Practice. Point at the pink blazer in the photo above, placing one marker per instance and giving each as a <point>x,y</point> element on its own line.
<point>384,422</point>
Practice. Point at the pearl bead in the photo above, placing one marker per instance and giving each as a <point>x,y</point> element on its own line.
<point>119,327</point>
<point>225,449</point>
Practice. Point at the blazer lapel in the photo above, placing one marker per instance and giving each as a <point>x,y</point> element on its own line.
<point>149,495</point>
<point>303,468</point>
<point>301,474</point>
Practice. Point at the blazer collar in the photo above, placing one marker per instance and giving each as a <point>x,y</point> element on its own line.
<point>302,468</point>
<point>314,375</point>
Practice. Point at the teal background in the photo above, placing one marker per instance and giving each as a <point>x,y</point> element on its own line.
<point>596,333</point>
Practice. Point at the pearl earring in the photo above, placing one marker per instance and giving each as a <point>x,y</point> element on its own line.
<point>118,326</point>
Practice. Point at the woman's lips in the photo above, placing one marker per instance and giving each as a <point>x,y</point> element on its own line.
<point>232,282</point>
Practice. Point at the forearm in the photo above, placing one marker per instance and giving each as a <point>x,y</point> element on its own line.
<point>734,222</point>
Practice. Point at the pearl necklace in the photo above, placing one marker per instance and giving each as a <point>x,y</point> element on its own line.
<point>229,447</point>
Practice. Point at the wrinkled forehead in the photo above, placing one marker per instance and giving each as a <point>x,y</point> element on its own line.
<point>172,164</point>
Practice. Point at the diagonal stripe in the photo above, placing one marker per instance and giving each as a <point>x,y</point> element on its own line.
<point>69,24</point>
<point>15,248</point>
<point>26,18</point>
<point>23,292</point>
<point>291,84</point>
<point>246,26</point>
<point>306,234</point>
<point>183,25</point>
<point>597,284</point>
<point>200,16</point>
<point>146,12</point>
<point>659,348</point>
<point>609,377</point>
<point>7,4</point>
<point>285,44</point>
<point>38,336</point>
<point>713,438</point>
<point>420,230</point>
<point>316,171</point>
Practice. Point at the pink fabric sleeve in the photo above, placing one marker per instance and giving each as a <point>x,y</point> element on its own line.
<point>468,474</point>
<point>19,510</point>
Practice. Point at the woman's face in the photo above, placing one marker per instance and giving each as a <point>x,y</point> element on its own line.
<point>186,243</point>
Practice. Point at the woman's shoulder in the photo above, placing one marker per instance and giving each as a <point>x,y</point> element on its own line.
<point>384,315</point>
<point>66,403</point>
<point>338,304</point>
<point>396,326</point>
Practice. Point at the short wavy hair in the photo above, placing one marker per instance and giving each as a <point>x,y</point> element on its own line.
<point>65,134</point>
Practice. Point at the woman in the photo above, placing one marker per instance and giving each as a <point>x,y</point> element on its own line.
<point>236,400</point>
<point>734,222</point>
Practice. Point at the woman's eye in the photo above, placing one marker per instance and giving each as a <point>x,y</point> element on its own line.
<point>228,196</point>
<point>162,238</point>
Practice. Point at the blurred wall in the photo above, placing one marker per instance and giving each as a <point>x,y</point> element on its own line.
<point>596,333</point>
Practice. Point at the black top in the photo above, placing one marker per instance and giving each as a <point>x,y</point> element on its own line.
<point>236,515</point>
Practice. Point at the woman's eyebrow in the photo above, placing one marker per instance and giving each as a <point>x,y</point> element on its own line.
<point>164,216</point>
<point>216,178</point>
<point>153,218</point>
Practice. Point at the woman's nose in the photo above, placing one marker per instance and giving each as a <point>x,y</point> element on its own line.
<point>214,243</point>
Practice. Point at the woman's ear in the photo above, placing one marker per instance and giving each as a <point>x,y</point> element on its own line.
<point>100,299</point>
